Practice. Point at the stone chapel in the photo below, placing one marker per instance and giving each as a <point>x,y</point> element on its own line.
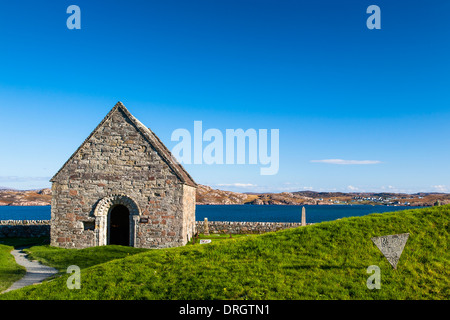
<point>122,186</point>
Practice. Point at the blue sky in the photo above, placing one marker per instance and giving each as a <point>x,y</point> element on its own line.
<point>377,99</point>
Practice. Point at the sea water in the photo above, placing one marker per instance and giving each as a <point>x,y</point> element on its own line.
<point>256,213</point>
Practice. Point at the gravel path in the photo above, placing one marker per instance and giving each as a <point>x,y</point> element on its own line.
<point>36,272</point>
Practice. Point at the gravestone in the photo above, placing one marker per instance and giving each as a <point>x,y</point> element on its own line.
<point>391,246</point>
<point>206,232</point>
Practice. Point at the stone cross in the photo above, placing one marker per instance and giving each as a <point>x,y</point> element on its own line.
<point>206,232</point>
<point>303,216</point>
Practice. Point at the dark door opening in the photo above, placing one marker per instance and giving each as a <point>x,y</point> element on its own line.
<point>119,226</point>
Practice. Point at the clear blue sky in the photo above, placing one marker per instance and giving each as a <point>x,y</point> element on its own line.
<point>312,69</point>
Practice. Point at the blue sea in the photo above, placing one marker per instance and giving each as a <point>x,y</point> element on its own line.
<point>264,213</point>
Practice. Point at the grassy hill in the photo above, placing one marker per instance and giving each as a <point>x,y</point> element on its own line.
<point>323,261</point>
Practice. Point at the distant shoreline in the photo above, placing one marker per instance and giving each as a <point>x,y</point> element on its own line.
<point>206,195</point>
<point>249,204</point>
<point>301,204</point>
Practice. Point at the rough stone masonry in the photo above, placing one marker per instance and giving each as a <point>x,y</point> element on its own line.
<point>41,228</point>
<point>122,186</point>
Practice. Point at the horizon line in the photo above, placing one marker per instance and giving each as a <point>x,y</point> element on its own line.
<point>2,188</point>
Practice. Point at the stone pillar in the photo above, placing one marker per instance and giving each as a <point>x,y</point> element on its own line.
<point>206,231</point>
<point>134,220</point>
<point>303,216</point>
<point>100,230</point>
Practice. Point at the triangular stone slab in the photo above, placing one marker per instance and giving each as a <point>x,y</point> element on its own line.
<point>391,246</point>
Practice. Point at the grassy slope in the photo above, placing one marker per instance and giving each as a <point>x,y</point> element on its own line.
<point>10,271</point>
<point>60,258</point>
<point>323,261</point>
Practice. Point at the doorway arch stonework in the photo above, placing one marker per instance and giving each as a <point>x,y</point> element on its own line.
<point>101,213</point>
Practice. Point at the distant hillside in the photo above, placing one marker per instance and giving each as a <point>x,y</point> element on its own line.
<point>207,195</point>
<point>41,197</point>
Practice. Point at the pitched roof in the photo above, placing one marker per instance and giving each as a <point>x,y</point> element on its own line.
<point>154,141</point>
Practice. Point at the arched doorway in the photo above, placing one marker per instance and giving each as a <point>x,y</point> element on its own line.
<point>102,214</point>
<point>119,225</point>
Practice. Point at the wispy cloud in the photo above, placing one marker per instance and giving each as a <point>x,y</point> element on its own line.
<point>440,188</point>
<point>341,161</point>
<point>242,185</point>
<point>22,179</point>
<point>250,187</point>
<point>24,182</point>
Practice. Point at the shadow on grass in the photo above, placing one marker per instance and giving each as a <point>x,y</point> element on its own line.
<point>19,243</point>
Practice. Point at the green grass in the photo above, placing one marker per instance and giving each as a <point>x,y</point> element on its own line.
<point>60,258</point>
<point>322,261</point>
<point>10,271</point>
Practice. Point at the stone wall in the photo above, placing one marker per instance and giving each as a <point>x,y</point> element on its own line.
<point>38,228</point>
<point>24,228</point>
<point>239,227</point>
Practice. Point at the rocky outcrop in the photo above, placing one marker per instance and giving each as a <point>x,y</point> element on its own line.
<point>208,195</point>
<point>45,192</point>
<point>284,198</point>
<point>41,197</point>
<point>23,203</point>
